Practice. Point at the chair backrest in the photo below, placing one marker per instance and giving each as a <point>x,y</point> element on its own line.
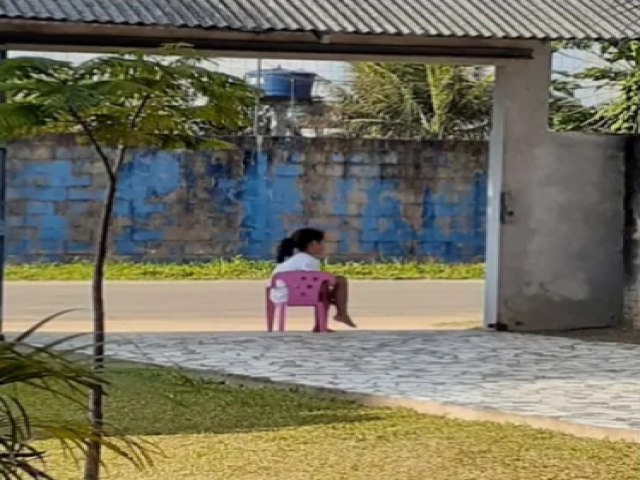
<point>303,287</point>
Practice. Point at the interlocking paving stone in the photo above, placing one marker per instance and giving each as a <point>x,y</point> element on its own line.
<point>595,384</point>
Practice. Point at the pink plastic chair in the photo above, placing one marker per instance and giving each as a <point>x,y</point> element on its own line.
<point>305,289</point>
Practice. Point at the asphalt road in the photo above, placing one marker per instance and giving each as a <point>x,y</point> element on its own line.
<point>239,306</point>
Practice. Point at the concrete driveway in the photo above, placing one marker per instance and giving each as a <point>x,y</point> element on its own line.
<point>239,306</point>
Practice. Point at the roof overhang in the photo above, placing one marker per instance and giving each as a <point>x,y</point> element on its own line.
<point>85,37</point>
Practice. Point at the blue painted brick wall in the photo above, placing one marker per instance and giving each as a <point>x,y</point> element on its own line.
<point>374,198</point>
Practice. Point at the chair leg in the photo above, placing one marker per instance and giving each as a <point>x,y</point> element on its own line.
<point>322,318</point>
<point>322,309</point>
<point>283,316</point>
<point>271,314</point>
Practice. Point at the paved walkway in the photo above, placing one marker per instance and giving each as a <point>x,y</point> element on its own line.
<point>239,306</point>
<point>595,384</point>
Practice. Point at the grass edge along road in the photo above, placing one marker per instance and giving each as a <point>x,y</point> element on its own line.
<point>241,269</point>
<point>209,429</point>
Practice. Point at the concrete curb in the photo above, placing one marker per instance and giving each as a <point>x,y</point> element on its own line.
<point>437,408</point>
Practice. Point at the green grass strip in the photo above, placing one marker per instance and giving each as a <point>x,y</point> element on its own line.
<point>241,269</point>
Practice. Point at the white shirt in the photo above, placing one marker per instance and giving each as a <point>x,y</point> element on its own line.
<point>299,262</point>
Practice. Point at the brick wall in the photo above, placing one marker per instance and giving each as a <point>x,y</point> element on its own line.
<point>375,199</point>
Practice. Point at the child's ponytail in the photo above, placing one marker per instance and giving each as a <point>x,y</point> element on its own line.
<point>286,249</point>
<point>299,241</point>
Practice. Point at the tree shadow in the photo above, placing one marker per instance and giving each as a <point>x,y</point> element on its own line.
<point>162,401</point>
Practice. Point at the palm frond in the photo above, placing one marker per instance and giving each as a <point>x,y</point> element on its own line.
<point>416,101</point>
<point>45,368</point>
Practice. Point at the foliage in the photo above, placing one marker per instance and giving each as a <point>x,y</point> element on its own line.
<point>566,111</point>
<point>620,73</point>
<point>461,102</point>
<point>616,70</point>
<point>211,429</point>
<point>58,377</point>
<point>427,101</point>
<point>242,269</point>
<point>170,100</point>
<point>403,100</point>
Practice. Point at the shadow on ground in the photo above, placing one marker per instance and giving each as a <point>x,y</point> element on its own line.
<point>159,401</point>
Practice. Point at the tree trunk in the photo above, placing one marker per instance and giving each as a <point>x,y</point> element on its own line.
<point>93,459</point>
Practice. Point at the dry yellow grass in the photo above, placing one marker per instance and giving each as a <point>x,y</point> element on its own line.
<point>217,431</point>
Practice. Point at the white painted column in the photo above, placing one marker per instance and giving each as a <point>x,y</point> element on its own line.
<point>494,188</point>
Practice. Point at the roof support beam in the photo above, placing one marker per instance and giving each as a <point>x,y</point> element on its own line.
<point>100,38</point>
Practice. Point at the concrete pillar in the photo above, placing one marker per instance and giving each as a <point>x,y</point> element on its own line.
<point>520,118</point>
<point>555,213</point>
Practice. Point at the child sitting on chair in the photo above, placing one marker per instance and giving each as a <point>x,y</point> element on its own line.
<point>302,251</point>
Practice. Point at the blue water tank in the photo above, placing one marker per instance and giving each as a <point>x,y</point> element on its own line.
<point>280,83</point>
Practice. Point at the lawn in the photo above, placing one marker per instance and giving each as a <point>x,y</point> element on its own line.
<point>242,269</point>
<point>210,430</point>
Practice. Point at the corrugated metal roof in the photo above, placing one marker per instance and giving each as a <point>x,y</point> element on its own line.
<point>522,19</point>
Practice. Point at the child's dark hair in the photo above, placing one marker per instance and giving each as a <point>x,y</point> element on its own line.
<point>300,241</point>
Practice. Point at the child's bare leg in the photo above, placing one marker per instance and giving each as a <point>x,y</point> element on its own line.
<point>341,301</point>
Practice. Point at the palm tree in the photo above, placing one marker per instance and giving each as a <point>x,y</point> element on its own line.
<point>45,368</point>
<point>401,100</point>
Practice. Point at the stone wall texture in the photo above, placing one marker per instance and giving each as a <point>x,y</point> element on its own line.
<point>375,198</point>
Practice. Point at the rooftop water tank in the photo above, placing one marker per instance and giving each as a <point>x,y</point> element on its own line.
<point>279,83</point>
